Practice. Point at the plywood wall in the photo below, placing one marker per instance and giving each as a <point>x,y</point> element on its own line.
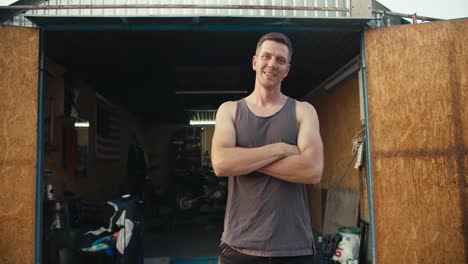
<point>104,180</point>
<point>160,150</point>
<point>19,55</point>
<point>418,87</point>
<point>339,117</point>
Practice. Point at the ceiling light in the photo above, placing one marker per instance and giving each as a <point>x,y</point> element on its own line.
<point>341,76</point>
<point>82,124</point>
<point>202,122</point>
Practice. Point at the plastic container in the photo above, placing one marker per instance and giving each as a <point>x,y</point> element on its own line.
<point>347,251</point>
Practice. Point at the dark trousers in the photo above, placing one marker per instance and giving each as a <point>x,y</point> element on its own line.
<point>228,255</point>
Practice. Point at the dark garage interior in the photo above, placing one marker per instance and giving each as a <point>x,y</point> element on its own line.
<point>143,70</point>
<point>159,78</point>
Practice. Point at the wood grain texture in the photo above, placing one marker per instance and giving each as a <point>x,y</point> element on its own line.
<point>316,209</point>
<point>104,180</point>
<point>417,214</point>
<point>339,117</point>
<point>417,91</point>
<point>19,54</point>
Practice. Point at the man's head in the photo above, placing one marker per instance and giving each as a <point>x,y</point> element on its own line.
<point>276,37</point>
<point>271,60</point>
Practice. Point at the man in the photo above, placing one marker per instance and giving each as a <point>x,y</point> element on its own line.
<point>269,145</point>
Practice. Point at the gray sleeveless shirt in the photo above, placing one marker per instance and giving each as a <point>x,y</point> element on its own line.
<point>266,216</point>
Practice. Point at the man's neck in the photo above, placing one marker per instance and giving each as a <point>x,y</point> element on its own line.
<point>264,96</point>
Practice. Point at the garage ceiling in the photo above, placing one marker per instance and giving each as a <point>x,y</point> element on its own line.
<point>145,71</point>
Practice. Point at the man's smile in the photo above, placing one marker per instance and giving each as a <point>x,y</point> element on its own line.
<point>271,74</point>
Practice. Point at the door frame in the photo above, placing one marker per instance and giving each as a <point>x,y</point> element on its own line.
<point>40,152</point>
<point>369,176</point>
<point>148,27</point>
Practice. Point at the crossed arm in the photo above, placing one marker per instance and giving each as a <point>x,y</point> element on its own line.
<point>302,163</point>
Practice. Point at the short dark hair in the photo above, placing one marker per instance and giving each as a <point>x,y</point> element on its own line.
<point>277,37</point>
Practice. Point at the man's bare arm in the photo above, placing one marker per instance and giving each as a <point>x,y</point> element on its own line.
<point>229,160</point>
<point>308,166</point>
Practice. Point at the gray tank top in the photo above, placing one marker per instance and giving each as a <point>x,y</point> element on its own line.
<point>266,216</point>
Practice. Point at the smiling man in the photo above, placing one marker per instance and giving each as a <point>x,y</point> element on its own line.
<point>269,146</point>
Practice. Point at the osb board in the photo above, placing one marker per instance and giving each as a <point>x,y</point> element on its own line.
<point>315,205</point>
<point>466,174</point>
<point>421,221</point>
<point>18,120</point>
<point>461,77</point>
<point>339,117</point>
<point>341,209</point>
<point>112,175</point>
<point>364,198</point>
<point>159,142</point>
<point>410,68</point>
<point>417,87</point>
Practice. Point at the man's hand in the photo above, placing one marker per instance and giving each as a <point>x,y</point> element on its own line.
<point>229,160</point>
<point>305,165</point>
<point>289,150</point>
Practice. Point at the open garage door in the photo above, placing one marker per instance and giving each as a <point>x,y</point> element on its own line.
<point>417,78</point>
<point>19,56</point>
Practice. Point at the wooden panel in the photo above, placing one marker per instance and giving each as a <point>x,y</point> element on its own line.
<point>466,185</point>
<point>112,175</point>
<point>462,76</point>
<point>404,122</point>
<point>417,87</point>
<point>18,121</point>
<point>417,214</point>
<point>341,209</point>
<point>339,122</point>
<point>316,207</point>
<point>463,132</point>
<point>339,117</point>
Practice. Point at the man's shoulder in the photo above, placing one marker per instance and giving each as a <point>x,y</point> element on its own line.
<point>304,106</point>
<point>228,104</point>
<point>227,108</point>
<point>305,110</point>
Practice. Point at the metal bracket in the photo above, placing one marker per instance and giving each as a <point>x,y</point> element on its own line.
<point>360,8</point>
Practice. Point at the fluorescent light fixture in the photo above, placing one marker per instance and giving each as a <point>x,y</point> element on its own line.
<point>345,73</point>
<point>82,124</point>
<point>201,122</point>
<point>212,92</point>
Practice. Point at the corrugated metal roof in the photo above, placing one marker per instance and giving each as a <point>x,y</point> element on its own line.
<point>133,12</point>
<point>7,14</point>
<point>197,23</point>
<point>174,8</point>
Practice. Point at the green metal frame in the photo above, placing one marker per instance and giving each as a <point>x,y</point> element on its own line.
<point>39,152</point>
<point>368,150</point>
<point>197,27</point>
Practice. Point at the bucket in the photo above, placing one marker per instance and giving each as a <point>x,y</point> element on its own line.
<point>347,251</point>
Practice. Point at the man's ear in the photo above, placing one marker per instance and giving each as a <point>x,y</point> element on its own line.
<point>254,63</point>
<point>287,70</point>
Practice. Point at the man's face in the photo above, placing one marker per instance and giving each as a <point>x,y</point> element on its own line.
<point>271,63</point>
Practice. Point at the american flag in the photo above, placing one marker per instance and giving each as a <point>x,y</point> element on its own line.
<point>107,131</point>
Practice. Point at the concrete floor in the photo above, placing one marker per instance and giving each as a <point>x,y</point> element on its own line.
<point>193,236</point>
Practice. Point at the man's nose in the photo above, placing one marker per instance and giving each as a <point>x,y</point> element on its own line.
<point>272,62</point>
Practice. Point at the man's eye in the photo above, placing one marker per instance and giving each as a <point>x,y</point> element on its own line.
<point>265,57</point>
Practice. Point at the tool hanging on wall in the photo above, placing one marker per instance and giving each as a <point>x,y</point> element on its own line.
<point>358,148</point>
<point>357,152</point>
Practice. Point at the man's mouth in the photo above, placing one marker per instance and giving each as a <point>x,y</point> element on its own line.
<point>271,74</point>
